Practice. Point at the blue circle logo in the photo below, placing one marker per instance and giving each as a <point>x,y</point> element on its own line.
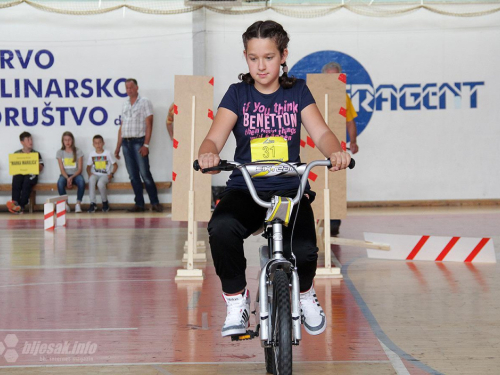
<point>356,76</point>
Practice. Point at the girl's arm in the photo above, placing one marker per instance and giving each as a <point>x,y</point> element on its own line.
<point>61,168</point>
<point>208,155</point>
<point>80,167</point>
<point>323,137</point>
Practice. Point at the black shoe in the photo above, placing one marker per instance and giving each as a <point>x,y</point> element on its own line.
<point>92,207</point>
<point>136,208</point>
<point>157,208</point>
<point>334,227</point>
<point>105,206</point>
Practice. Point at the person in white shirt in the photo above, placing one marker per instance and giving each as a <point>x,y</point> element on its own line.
<point>134,136</point>
<point>101,168</point>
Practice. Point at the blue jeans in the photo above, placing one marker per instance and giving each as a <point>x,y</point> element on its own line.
<point>79,181</point>
<point>137,167</point>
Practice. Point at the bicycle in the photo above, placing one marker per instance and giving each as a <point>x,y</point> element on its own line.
<point>280,316</point>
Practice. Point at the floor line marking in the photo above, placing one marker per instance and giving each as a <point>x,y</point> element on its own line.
<point>179,363</point>
<point>67,329</point>
<point>377,330</point>
<point>396,362</point>
<point>83,282</point>
<point>162,370</point>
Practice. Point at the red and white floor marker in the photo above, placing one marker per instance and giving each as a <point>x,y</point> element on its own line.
<point>434,248</point>
<point>53,219</point>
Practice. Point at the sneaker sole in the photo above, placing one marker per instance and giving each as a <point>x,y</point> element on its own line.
<point>235,331</point>
<point>13,207</point>
<point>315,330</point>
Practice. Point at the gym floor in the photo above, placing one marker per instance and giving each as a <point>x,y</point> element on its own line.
<point>104,287</point>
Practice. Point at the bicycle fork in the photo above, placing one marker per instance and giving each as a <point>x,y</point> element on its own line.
<point>278,261</point>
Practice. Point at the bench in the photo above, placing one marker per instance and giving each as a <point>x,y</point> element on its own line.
<point>53,187</point>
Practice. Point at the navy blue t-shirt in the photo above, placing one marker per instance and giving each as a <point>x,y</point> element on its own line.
<point>266,115</point>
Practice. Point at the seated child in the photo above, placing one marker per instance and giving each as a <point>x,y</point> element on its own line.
<point>99,165</point>
<point>70,159</point>
<point>22,184</point>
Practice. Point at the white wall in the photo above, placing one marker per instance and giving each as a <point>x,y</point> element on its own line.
<point>152,49</point>
<point>404,155</point>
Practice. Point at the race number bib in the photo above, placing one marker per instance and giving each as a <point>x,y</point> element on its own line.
<point>100,165</point>
<point>272,148</point>
<point>69,163</point>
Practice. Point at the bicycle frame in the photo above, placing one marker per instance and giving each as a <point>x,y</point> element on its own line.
<point>276,271</point>
<point>278,260</point>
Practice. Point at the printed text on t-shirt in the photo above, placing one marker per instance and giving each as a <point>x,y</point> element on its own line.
<point>277,120</point>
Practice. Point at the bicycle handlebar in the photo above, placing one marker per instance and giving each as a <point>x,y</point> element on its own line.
<point>269,170</point>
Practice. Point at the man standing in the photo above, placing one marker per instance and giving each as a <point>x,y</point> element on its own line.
<point>333,67</point>
<point>134,136</point>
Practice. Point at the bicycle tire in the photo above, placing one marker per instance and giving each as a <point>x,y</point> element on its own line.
<point>279,356</point>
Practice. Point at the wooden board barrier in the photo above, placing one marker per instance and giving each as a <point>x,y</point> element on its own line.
<point>334,86</point>
<point>201,87</point>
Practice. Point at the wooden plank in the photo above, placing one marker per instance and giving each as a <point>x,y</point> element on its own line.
<point>110,186</point>
<point>57,199</point>
<point>201,87</point>
<point>321,85</point>
<point>359,243</point>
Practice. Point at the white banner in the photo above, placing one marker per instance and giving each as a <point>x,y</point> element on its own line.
<point>425,87</point>
<point>66,73</point>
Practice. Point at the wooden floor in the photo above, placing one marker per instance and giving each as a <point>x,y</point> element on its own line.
<point>103,291</point>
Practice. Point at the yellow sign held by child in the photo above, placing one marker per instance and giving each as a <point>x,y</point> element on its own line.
<point>23,163</point>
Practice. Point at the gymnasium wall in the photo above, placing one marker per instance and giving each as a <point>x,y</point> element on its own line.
<point>424,85</point>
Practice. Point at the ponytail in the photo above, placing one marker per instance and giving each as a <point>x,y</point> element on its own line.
<point>285,81</point>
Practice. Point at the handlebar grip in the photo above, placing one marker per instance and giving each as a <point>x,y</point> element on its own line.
<point>351,165</point>
<point>196,165</point>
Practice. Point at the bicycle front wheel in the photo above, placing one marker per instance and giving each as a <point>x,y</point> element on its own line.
<point>279,357</point>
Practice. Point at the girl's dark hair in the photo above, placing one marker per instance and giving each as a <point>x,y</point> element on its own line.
<point>73,147</point>
<point>272,30</point>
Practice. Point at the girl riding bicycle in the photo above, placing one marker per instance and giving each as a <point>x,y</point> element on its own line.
<point>265,108</point>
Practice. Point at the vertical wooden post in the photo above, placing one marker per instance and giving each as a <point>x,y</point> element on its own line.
<point>190,273</point>
<point>327,271</point>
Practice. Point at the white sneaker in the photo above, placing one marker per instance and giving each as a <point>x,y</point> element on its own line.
<point>238,314</point>
<point>313,317</point>
<point>68,209</point>
<point>78,209</point>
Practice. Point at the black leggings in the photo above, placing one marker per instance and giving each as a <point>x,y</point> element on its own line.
<point>21,188</point>
<point>236,217</point>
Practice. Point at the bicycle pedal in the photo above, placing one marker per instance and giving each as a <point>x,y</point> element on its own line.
<point>248,335</point>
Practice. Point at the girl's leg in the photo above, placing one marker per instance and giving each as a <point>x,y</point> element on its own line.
<point>61,185</point>
<point>304,243</point>
<point>306,253</point>
<point>80,183</point>
<point>234,219</point>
